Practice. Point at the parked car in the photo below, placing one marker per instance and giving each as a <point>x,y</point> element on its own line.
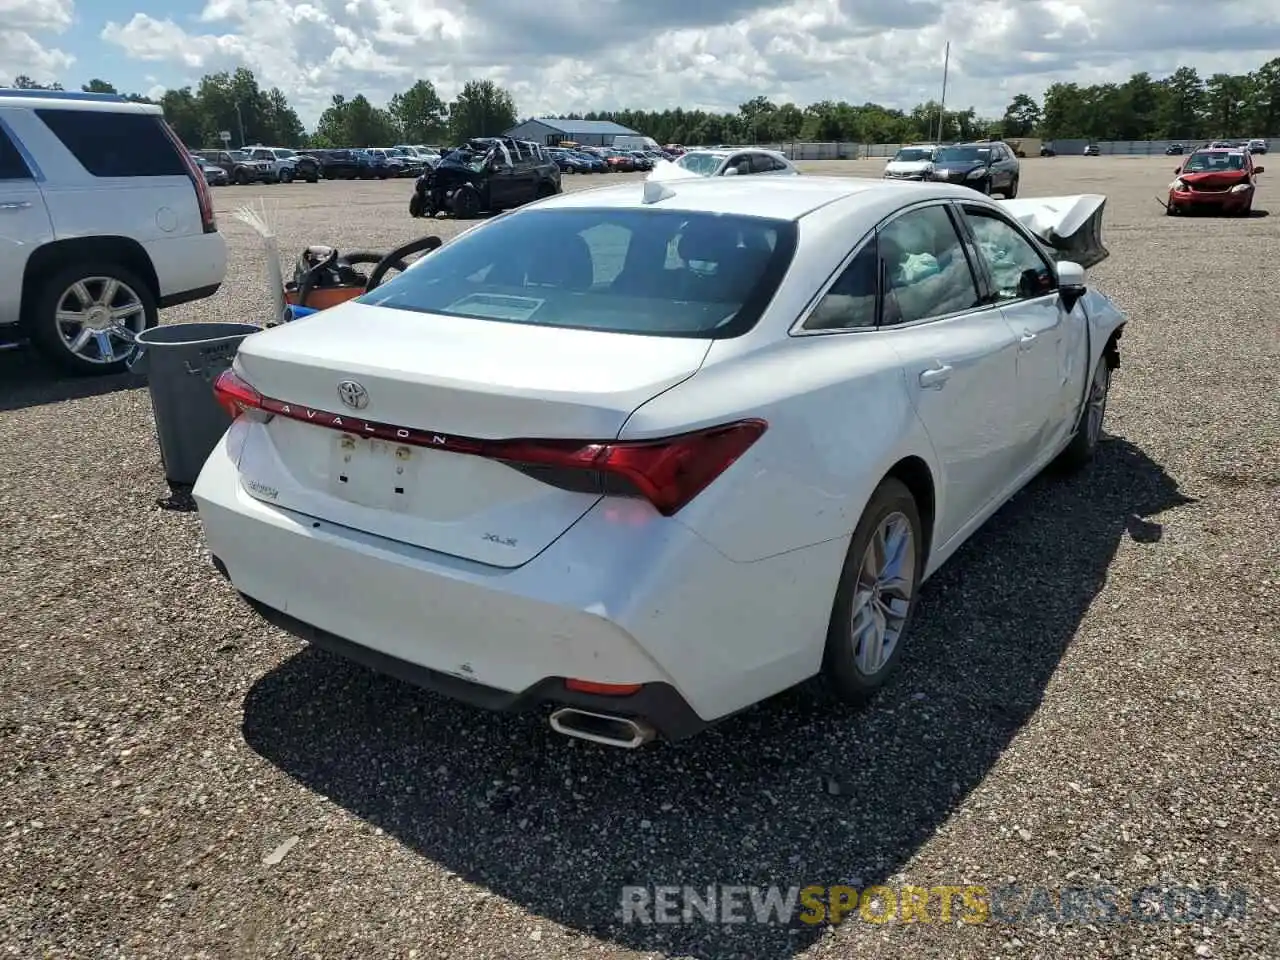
<point>107,219</point>
<point>241,168</point>
<point>410,165</point>
<point>486,173</point>
<point>725,163</point>
<point>987,166</point>
<point>593,161</point>
<point>1218,179</point>
<point>214,175</point>
<point>911,163</point>
<point>618,161</point>
<point>287,165</point>
<point>567,161</point>
<point>1258,145</point>
<point>1048,151</point>
<point>1174,149</point>
<point>1092,150</point>
<point>675,481</point>
<point>338,164</point>
<point>383,163</point>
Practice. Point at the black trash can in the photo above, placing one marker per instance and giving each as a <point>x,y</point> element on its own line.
<point>181,361</point>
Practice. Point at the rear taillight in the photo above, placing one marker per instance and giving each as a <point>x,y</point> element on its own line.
<point>203,195</point>
<point>237,397</point>
<point>668,472</point>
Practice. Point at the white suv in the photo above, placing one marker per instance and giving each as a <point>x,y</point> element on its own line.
<point>104,219</point>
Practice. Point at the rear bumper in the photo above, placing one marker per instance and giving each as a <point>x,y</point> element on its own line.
<point>658,704</point>
<point>616,599</point>
<point>194,264</point>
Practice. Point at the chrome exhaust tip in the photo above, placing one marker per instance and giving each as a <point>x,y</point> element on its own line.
<point>601,728</point>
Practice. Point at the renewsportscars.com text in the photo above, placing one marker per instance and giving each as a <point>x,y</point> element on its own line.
<point>968,904</point>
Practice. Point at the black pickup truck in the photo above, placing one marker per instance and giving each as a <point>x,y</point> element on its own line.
<point>485,174</point>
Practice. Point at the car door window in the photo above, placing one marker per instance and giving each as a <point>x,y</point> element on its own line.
<point>1018,270</point>
<point>12,166</point>
<point>742,163</point>
<point>850,303</point>
<point>761,163</point>
<point>925,271</point>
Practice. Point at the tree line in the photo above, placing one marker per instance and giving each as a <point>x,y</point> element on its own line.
<point>1182,106</point>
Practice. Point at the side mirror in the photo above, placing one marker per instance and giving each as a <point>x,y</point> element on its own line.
<point>1178,169</point>
<point>1071,284</point>
<point>1258,169</point>
<point>731,172</point>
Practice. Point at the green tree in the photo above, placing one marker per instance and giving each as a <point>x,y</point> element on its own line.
<point>1021,117</point>
<point>23,82</point>
<point>482,109</point>
<point>99,86</point>
<point>420,113</point>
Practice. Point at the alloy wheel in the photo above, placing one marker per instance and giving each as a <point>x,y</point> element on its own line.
<point>882,598</point>
<point>99,319</point>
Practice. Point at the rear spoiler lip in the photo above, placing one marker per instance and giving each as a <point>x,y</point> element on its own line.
<point>1070,226</point>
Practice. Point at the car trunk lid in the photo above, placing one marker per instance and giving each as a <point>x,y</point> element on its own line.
<point>362,394</point>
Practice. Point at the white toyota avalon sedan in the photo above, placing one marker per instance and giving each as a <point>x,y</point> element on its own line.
<point>648,454</point>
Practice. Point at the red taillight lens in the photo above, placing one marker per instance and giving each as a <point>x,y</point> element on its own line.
<point>203,196</point>
<point>668,473</point>
<point>235,395</point>
<point>603,689</point>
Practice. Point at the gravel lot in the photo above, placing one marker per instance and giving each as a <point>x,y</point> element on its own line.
<point>1090,696</point>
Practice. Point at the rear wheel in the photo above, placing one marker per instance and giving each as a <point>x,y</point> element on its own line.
<point>286,175</point>
<point>242,177</point>
<point>85,317</point>
<point>875,596</point>
<point>1012,192</point>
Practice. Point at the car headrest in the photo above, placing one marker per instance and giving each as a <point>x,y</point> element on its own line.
<point>706,241</point>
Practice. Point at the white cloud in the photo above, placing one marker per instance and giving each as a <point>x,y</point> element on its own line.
<point>603,54</point>
<point>21,22</point>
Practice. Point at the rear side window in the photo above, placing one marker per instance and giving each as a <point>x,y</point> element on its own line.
<point>655,272</point>
<point>12,166</point>
<point>925,269</point>
<point>109,144</point>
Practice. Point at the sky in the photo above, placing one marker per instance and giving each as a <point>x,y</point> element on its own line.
<point>560,56</point>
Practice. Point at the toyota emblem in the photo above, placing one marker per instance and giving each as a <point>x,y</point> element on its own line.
<point>353,395</point>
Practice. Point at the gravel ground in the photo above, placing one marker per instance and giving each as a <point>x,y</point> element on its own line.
<point>1090,695</point>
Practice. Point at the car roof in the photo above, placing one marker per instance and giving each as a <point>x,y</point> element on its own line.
<point>75,100</point>
<point>780,198</point>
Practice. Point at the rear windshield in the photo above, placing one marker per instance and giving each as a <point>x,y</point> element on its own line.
<point>705,164</point>
<point>655,272</point>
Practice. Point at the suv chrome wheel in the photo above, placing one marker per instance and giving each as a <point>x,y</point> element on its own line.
<point>99,318</point>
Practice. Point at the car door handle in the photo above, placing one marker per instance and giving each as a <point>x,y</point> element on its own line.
<point>1026,341</point>
<point>934,378</point>
<point>17,205</point>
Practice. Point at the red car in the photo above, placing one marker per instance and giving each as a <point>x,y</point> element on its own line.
<point>1217,178</point>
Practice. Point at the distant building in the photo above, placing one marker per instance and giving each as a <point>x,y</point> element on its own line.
<point>596,133</point>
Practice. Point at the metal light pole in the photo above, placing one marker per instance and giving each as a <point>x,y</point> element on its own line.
<point>942,106</point>
<point>240,122</point>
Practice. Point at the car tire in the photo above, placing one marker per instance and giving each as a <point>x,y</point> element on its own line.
<point>286,175</point>
<point>242,178</point>
<point>314,178</point>
<point>42,319</point>
<point>1089,431</point>
<point>465,203</point>
<point>417,206</point>
<point>855,664</point>
<point>1012,192</point>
